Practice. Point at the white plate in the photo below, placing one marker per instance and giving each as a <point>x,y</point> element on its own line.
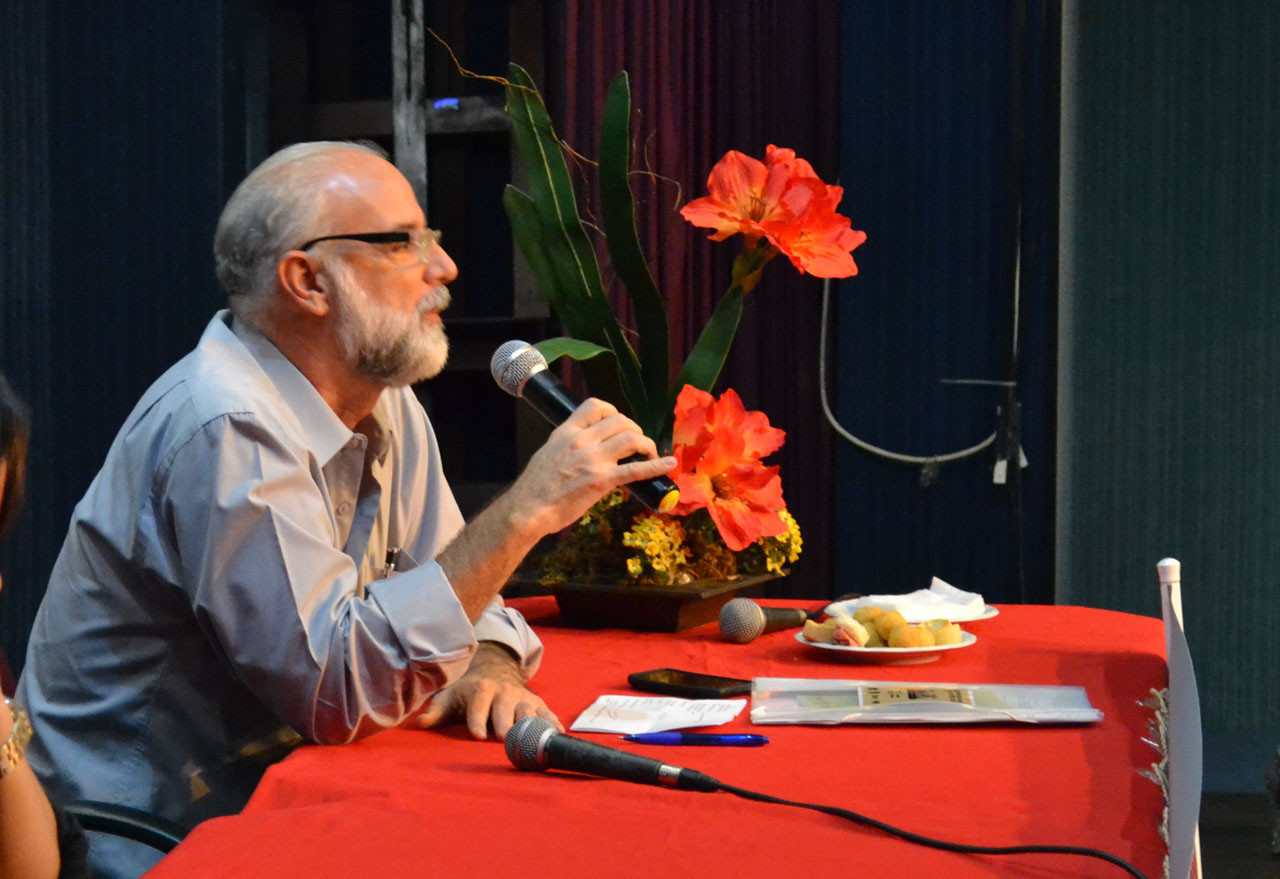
<point>846,607</point>
<point>890,655</point>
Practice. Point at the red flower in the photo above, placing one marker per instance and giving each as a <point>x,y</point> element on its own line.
<point>744,193</point>
<point>783,200</point>
<point>718,445</point>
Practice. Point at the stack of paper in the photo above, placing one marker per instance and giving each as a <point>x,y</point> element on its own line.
<point>807,700</point>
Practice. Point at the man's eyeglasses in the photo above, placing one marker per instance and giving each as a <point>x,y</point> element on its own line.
<point>418,242</point>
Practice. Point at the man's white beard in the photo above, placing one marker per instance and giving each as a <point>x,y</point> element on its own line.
<point>380,342</point>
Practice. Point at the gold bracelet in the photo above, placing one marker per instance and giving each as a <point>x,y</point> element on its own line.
<point>16,745</point>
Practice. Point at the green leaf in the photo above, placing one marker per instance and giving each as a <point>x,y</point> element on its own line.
<point>619,221</point>
<point>583,307</point>
<point>526,229</point>
<point>601,374</point>
<point>576,349</point>
<point>709,353</point>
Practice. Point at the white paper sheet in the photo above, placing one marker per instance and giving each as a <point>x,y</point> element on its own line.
<point>642,714</point>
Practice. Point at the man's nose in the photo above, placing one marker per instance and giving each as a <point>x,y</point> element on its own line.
<point>440,268</point>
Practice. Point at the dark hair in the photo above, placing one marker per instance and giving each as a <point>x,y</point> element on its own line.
<point>15,428</point>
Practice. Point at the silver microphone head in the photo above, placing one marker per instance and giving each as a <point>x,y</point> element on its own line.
<point>513,363</point>
<point>741,620</point>
<point>525,741</point>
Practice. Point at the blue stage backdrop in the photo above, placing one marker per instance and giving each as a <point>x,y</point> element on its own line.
<point>123,131</point>
<point>949,134</point>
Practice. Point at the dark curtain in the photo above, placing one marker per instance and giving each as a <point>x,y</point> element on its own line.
<point>707,78</point>
<point>949,137</point>
<point>122,129</point>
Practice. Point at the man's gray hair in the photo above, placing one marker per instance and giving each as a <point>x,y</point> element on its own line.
<point>271,211</point>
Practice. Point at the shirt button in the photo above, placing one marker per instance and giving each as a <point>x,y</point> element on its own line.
<point>344,508</point>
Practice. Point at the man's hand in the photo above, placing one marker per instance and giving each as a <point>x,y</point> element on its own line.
<point>492,692</point>
<point>579,464</point>
<point>574,468</point>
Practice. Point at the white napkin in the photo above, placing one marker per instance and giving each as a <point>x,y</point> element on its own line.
<point>941,601</point>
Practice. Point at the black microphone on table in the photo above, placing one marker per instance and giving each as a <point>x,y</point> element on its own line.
<point>742,620</point>
<point>521,370</point>
<point>533,743</point>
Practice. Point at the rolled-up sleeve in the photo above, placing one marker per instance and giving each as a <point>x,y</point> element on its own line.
<point>256,545</point>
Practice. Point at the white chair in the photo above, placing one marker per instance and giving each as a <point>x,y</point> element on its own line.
<point>1184,744</point>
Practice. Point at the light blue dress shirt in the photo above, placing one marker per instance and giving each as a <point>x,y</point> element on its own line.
<point>221,590</point>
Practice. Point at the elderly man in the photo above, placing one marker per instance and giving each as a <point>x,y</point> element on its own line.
<point>270,549</point>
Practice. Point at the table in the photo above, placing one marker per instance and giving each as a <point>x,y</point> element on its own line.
<point>413,803</point>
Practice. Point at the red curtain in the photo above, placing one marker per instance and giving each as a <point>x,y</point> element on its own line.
<point>707,77</point>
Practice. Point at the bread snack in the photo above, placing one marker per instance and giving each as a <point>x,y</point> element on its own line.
<point>819,632</point>
<point>849,632</point>
<point>908,635</point>
<point>945,632</point>
<point>872,626</point>
<point>867,613</point>
<point>874,638</point>
<point>888,621</point>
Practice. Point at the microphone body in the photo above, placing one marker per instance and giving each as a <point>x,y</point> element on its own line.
<point>521,370</point>
<point>742,620</point>
<point>532,743</point>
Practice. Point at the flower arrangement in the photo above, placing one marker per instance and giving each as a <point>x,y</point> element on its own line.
<point>731,518</point>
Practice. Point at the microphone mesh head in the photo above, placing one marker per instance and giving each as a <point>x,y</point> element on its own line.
<point>524,741</point>
<point>513,363</point>
<point>741,620</point>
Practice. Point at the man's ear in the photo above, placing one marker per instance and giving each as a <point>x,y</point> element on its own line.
<point>302,286</point>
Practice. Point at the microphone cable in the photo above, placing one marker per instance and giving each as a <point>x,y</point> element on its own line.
<point>528,747</point>
<point>919,839</point>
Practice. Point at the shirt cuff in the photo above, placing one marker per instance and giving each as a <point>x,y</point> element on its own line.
<point>427,619</point>
<point>507,627</point>
<point>424,613</point>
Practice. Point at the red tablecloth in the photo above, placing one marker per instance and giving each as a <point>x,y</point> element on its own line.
<point>411,803</point>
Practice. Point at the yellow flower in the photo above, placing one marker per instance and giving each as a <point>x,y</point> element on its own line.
<point>661,542</point>
<point>783,549</point>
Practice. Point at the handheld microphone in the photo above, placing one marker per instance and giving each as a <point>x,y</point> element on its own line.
<point>532,743</point>
<point>742,620</point>
<point>521,371</point>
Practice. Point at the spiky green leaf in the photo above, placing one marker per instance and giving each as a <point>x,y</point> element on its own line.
<point>619,221</point>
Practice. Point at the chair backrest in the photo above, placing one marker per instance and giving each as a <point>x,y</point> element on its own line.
<point>158,833</point>
<point>1185,753</point>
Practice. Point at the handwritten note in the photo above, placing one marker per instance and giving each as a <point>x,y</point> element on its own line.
<point>643,714</point>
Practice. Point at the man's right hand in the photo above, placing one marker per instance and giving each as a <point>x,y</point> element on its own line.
<point>579,464</point>
<point>576,466</point>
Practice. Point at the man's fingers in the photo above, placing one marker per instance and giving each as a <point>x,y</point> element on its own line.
<point>616,427</point>
<point>628,442</point>
<point>482,699</point>
<point>509,706</point>
<point>548,714</point>
<point>646,469</point>
<point>440,709</point>
<point>590,411</point>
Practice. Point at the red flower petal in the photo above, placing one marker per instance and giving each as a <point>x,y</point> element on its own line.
<point>718,448</point>
<point>740,525</point>
<point>693,407</point>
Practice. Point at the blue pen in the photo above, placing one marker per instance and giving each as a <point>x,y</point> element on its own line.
<point>680,738</point>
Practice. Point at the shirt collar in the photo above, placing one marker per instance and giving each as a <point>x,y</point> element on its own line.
<point>325,431</point>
